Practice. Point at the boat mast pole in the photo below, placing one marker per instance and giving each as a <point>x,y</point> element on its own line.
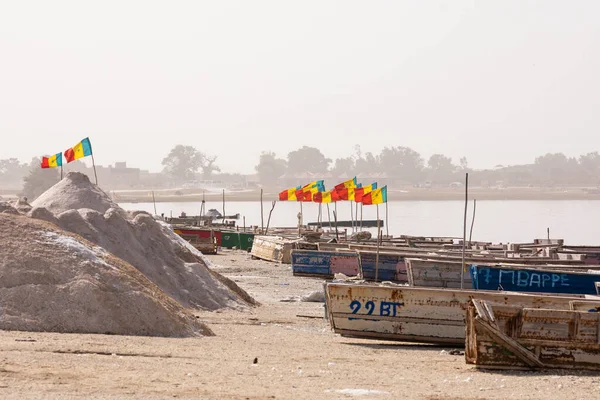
<point>464,244</point>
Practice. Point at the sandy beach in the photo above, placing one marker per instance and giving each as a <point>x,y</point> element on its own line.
<point>278,350</point>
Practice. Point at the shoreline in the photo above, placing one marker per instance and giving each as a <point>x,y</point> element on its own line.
<point>414,195</point>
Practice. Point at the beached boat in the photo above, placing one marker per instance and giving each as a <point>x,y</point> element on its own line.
<point>591,254</point>
<point>486,277</point>
<point>205,240</point>
<point>324,264</point>
<point>277,248</point>
<point>447,273</point>
<point>368,223</point>
<point>517,337</point>
<point>388,311</point>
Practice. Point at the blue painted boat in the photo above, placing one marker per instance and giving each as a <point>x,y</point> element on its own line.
<point>324,264</point>
<point>485,277</point>
<point>391,266</point>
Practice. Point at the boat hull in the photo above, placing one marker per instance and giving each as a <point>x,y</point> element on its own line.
<point>417,314</point>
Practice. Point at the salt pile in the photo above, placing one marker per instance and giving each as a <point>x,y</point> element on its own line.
<point>81,207</point>
<point>74,192</point>
<point>55,281</point>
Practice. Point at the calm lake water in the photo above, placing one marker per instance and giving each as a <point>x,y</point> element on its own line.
<point>497,221</point>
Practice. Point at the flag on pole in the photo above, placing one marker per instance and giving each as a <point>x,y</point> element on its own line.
<point>377,196</point>
<point>289,194</point>
<point>322,197</point>
<point>343,194</point>
<point>314,187</point>
<point>350,183</point>
<point>304,195</point>
<point>361,191</point>
<point>80,150</point>
<point>52,161</point>
<point>306,192</point>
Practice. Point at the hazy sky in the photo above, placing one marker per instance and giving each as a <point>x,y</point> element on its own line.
<point>496,81</point>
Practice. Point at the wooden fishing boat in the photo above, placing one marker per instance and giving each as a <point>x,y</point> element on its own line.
<point>447,273</point>
<point>391,265</point>
<point>277,248</point>
<point>523,337</point>
<point>486,277</point>
<point>199,234</point>
<point>418,314</point>
<point>324,264</point>
<point>367,223</point>
<point>591,254</point>
<point>205,241</point>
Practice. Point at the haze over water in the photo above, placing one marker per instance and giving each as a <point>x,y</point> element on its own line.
<point>496,221</point>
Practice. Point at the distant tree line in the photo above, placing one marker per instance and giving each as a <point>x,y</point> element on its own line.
<point>398,165</point>
<point>404,165</point>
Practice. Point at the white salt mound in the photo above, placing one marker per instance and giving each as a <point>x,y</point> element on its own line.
<point>152,248</point>
<point>73,192</point>
<point>55,281</point>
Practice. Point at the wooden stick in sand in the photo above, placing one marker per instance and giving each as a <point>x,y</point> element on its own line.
<point>269,219</point>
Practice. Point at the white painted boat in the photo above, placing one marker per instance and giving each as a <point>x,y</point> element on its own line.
<point>431,315</point>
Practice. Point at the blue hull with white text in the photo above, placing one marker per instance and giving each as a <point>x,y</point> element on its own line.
<point>533,280</point>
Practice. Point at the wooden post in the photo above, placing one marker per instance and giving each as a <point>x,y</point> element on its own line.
<point>262,217</point>
<point>351,216</point>
<point>387,224</point>
<point>269,220</point>
<point>377,254</point>
<point>223,206</point>
<point>244,223</point>
<point>361,215</point>
<point>548,231</point>
<point>337,237</point>
<point>320,217</point>
<point>328,216</point>
<point>154,202</point>
<point>473,220</point>
<point>94,165</point>
<point>462,270</point>
<point>300,220</point>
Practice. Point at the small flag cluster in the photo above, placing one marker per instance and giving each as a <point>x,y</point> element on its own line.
<point>349,190</point>
<point>80,150</point>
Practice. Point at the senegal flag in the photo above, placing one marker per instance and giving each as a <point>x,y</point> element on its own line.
<point>288,194</point>
<point>52,161</point>
<point>322,197</point>
<point>361,191</point>
<point>377,196</point>
<point>80,150</point>
<point>350,183</point>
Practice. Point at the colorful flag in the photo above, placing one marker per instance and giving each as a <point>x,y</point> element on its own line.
<point>351,183</point>
<point>377,196</point>
<point>322,197</point>
<point>343,194</point>
<point>304,195</point>
<point>361,191</point>
<point>52,161</point>
<point>314,187</point>
<point>80,150</point>
<point>288,194</point>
